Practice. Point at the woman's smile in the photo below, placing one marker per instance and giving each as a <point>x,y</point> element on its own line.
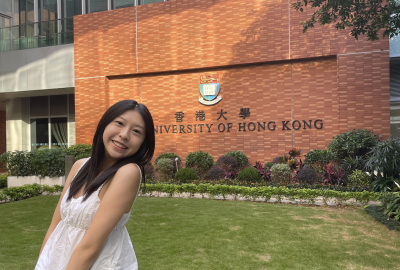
<point>119,145</point>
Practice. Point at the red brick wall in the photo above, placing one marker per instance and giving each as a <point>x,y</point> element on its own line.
<point>341,80</point>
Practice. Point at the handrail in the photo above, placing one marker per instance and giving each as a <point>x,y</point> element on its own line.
<point>36,35</point>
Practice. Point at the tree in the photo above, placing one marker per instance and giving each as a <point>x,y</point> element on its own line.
<point>361,16</point>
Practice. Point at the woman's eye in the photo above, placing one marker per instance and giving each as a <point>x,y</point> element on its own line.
<point>119,123</point>
<point>136,131</point>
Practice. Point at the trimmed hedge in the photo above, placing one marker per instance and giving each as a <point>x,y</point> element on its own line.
<point>27,191</point>
<point>42,163</point>
<point>3,181</point>
<point>253,193</point>
<point>266,192</point>
<point>79,151</point>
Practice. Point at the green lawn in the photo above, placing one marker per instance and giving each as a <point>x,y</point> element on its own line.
<point>206,234</point>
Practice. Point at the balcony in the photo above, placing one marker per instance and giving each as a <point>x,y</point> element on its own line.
<point>37,35</point>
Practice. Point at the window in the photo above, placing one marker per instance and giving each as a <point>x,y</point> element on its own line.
<point>96,5</point>
<point>395,96</point>
<point>39,133</point>
<point>26,12</point>
<point>145,2</point>
<point>70,8</point>
<point>6,7</point>
<point>123,3</point>
<point>49,121</point>
<point>4,21</point>
<point>47,10</point>
<point>59,133</point>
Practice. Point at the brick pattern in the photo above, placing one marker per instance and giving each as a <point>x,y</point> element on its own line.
<point>338,79</point>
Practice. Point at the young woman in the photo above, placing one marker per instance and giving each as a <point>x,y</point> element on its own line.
<point>88,226</point>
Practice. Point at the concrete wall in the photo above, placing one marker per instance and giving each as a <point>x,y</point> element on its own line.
<point>37,69</point>
<point>32,72</point>
<point>17,124</point>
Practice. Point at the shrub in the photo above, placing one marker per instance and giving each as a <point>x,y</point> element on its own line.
<point>215,173</point>
<point>306,175</point>
<point>356,142</point>
<point>149,171</point>
<point>390,202</point>
<point>240,157</point>
<point>281,173</point>
<point>350,164</point>
<point>165,168</point>
<point>172,156</point>
<point>318,159</point>
<point>18,163</point>
<point>228,163</point>
<point>264,172</point>
<point>200,161</point>
<point>79,151</point>
<point>3,181</point>
<point>291,158</point>
<point>44,162</point>
<point>269,165</point>
<point>385,158</point>
<point>48,162</point>
<point>169,155</point>
<point>279,160</point>
<point>186,174</point>
<point>359,178</point>
<point>249,175</point>
<point>384,164</point>
<point>333,175</point>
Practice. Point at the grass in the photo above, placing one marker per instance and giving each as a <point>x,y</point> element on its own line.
<point>207,234</point>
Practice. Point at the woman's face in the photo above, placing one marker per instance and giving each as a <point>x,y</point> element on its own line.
<point>123,136</point>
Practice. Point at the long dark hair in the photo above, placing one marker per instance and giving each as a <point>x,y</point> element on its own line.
<point>89,173</point>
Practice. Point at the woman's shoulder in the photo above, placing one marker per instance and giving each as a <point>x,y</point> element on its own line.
<point>75,168</point>
<point>79,162</point>
<point>130,169</point>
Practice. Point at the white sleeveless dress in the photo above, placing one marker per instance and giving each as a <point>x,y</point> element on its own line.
<point>76,217</point>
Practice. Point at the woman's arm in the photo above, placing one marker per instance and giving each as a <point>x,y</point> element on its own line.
<point>57,214</point>
<point>119,196</point>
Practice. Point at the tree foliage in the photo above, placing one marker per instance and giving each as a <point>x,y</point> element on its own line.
<point>361,16</point>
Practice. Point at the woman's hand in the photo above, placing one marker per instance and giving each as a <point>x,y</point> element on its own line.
<point>119,196</point>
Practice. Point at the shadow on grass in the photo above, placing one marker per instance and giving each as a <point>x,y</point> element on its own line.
<point>376,212</point>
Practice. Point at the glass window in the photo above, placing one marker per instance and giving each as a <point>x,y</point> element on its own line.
<point>123,3</point>
<point>4,22</point>
<point>145,2</point>
<point>6,7</point>
<point>26,12</point>
<point>96,5</point>
<point>39,133</point>
<point>5,34</point>
<point>70,8</point>
<point>59,133</point>
<point>47,10</point>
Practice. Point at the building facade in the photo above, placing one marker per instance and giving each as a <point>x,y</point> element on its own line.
<point>217,76</point>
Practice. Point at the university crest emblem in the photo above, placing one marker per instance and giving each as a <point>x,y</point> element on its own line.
<point>209,89</point>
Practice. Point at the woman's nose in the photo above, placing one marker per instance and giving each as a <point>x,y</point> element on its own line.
<point>124,134</point>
